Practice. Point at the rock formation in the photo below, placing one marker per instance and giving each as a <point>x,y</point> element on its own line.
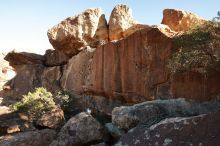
<point>122,23</point>
<point>23,58</point>
<point>79,130</point>
<point>52,119</point>
<point>179,20</point>
<point>55,58</point>
<point>128,69</point>
<point>105,69</point>
<point>147,113</point>
<point>176,131</point>
<point>86,29</point>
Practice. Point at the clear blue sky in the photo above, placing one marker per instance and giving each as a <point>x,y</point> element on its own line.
<point>24,23</point>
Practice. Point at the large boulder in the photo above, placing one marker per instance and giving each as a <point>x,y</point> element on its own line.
<point>86,29</point>
<point>79,130</point>
<point>23,58</point>
<point>148,113</point>
<point>128,70</point>
<point>51,119</point>
<point>179,20</point>
<point>200,130</point>
<point>31,138</point>
<point>55,58</point>
<point>122,23</point>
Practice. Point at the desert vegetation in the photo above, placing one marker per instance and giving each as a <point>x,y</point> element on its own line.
<point>197,50</point>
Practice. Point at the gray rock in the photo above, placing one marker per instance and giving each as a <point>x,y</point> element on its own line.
<point>79,130</point>
<point>100,144</point>
<point>151,112</point>
<point>202,130</point>
<point>31,138</point>
<point>114,130</point>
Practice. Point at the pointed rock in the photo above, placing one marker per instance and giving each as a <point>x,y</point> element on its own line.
<point>122,23</point>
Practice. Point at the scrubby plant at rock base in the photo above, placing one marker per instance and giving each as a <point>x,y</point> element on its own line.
<point>35,104</point>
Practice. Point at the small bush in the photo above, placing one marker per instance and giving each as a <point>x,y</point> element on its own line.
<point>35,104</point>
<point>197,49</point>
<point>63,99</point>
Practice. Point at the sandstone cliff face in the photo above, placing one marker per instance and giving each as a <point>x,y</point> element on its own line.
<point>197,86</point>
<point>122,23</point>
<point>86,29</point>
<point>129,69</point>
<point>179,20</point>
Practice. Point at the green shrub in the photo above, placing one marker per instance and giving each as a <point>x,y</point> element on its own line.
<point>36,103</point>
<point>197,49</point>
<point>63,98</point>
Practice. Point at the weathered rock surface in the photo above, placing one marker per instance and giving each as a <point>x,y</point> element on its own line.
<point>55,58</point>
<point>31,138</point>
<point>114,131</point>
<point>197,86</point>
<point>26,79</point>
<point>79,130</point>
<point>23,58</point>
<point>6,71</point>
<point>127,70</point>
<point>166,30</point>
<point>13,122</point>
<point>50,78</point>
<point>52,119</point>
<point>179,20</point>
<point>100,144</point>
<point>200,130</point>
<point>97,104</point>
<point>122,23</point>
<point>148,113</point>
<point>86,29</point>
<point>4,110</point>
<point>135,70</point>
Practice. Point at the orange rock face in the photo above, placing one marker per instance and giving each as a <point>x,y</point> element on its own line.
<point>86,29</point>
<point>129,69</point>
<point>179,20</point>
<point>196,86</point>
